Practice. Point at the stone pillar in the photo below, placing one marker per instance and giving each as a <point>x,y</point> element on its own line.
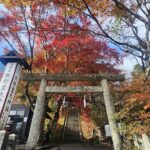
<point>3,139</point>
<point>146,141</point>
<point>8,87</point>
<point>110,110</point>
<point>14,64</point>
<point>37,120</point>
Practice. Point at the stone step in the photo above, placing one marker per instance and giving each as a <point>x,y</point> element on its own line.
<point>72,140</point>
<point>72,133</point>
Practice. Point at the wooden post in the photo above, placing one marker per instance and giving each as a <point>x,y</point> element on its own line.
<point>110,109</point>
<point>37,120</point>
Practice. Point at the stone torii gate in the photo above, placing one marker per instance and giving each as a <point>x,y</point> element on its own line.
<point>35,130</point>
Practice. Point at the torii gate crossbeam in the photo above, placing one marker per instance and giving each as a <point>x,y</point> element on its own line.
<point>73,89</point>
<point>72,77</point>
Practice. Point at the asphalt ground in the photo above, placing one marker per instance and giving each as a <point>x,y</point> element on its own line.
<point>82,147</point>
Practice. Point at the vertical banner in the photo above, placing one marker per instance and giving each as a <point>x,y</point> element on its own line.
<point>84,102</point>
<point>8,87</point>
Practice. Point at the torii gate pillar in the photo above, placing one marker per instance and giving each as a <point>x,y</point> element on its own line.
<point>13,61</point>
<point>110,110</point>
<point>38,117</point>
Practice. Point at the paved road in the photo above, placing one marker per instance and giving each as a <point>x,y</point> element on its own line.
<point>82,147</point>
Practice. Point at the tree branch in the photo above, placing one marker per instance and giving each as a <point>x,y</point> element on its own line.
<point>7,41</point>
<point>122,6</point>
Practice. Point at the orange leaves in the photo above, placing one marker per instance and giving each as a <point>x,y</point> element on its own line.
<point>15,28</point>
<point>139,97</point>
<point>147,106</point>
<point>79,52</point>
<point>135,105</point>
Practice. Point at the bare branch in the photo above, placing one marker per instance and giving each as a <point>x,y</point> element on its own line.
<point>122,6</point>
<point>5,38</point>
<point>23,9</point>
<point>140,6</point>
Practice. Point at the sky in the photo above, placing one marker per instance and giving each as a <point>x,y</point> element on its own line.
<point>127,66</point>
<point>128,62</point>
<point>1,45</point>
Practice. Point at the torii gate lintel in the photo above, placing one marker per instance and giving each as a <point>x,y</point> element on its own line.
<point>73,77</point>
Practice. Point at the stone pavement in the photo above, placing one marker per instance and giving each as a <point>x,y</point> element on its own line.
<point>82,147</point>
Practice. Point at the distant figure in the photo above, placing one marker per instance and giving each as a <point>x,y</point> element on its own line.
<point>93,135</point>
<point>95,138</point>
<point>93,132</point>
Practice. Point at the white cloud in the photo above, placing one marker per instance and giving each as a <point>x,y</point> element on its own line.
<point>128,65</point>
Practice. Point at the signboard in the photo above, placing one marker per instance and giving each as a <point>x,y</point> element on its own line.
<point>8,87</point>
<point>25,119</point>
<point>108,132</point>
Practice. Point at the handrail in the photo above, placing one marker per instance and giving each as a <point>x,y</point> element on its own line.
<point>64,126</point>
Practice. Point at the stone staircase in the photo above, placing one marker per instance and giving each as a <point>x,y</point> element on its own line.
<point>72,132</point>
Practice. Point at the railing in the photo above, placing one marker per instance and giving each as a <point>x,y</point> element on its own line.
<point>64,126</point>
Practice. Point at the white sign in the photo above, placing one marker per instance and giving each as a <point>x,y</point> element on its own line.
<point>84,102</point>
<point>25,119</point>
<point>108,132</point>
<point>8,87</point>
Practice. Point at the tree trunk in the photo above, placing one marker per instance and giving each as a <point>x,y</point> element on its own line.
<point>37,120</point>
<point>110,109</point>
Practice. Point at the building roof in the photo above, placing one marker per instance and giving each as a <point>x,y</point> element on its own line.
<point>14,56</point>
<point>19,106</point>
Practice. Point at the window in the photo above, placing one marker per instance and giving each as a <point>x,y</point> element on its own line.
<point>21,113</point>
<point>12,113</point>
<point>18,126</point>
